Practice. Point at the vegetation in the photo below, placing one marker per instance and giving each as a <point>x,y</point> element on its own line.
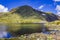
<point>35,36</point>
<point>16,22</point>
<point>55,25</point>
<point>26,20</point>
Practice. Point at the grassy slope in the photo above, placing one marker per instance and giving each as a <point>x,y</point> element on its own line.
<point>15,18</point>
<point>12,20</point>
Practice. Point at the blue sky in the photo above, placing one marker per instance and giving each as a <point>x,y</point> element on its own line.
<point>43,5</point>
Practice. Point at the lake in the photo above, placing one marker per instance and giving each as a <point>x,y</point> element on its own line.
<point>13,30</point>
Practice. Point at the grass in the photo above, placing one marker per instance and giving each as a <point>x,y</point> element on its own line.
<point>11,19</point>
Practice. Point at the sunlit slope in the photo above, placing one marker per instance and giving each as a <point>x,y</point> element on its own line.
<point>15,18</point>
<point>25,14</point>
<point>29,12</point>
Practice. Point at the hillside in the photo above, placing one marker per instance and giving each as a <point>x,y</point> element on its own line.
<point>25,14</point>
<point>28,12</point>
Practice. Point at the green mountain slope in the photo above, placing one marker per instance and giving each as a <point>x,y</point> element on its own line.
<point>25,14</point>
<point>29,12</point>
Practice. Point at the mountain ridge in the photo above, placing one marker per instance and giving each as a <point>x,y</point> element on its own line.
<point>27,11</point>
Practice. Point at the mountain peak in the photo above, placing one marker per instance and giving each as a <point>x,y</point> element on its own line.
<point>26,6</point>
<point>23,8</point>
<point>28,12</point>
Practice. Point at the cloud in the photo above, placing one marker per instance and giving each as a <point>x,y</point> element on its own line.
<point>58,13</point>
<point>58,9</point>
<point>3,8</point>
<point>56,0</point>
<point>41,10</point>
<point>40,7</point>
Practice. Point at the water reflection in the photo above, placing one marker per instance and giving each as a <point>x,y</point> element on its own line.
<point>23,28</point>
<point>28,28</point>
<point>3,31</point>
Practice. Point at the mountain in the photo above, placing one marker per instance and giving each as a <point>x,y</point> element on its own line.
<point>29,12</point>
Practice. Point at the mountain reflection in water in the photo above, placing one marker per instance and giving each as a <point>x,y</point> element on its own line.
<point>25,28</point>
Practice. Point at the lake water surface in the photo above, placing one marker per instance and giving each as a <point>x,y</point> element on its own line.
<point>21,29</point>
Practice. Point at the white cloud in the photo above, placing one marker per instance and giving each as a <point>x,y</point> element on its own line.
<point>56,0</point>
<point>58,9</point>
<point>40,7</point>
<point>3,8</point>
<point>58,13</point>
<point>41,10</point>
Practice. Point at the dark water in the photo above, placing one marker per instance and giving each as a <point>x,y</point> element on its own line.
<point>28,28</point>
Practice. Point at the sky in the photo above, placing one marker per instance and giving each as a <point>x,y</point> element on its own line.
<point>42,5</point>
